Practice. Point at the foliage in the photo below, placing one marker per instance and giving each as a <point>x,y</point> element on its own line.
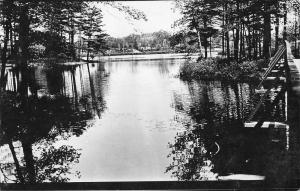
<point>91,25</point>
<point>45,118</point>
<point>214,143</point>
<point>130,13</point>
<point>198,15</point>
<point>220,69</point>
<point>37,122</point>
<point>176,39</point>
<point>53,164</point>
<point>154,41</point>
<point>245,23</point>
<point>59,26</point>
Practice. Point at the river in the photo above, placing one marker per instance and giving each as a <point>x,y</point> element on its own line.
<point>138,121</point>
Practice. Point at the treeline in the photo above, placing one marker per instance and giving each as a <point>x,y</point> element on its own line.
<point>155,41</point>
<point>34,29</point>
<point>49,28</point>
<point>247,29</point>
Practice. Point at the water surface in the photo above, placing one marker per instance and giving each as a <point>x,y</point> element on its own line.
<point>137,121</point>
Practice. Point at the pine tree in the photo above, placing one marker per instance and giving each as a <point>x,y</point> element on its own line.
<point>91,25</point>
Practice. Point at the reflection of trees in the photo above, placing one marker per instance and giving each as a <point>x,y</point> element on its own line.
<point>214,140</point>
<point>79,82</point>
<point>163,66</point>
<point>37,122</point>
<point>55,80</point>
<point>194,148</point>
<point>44,119</point>
<point>191,158</point>
<point>95,99</point>
<point>47,164</point>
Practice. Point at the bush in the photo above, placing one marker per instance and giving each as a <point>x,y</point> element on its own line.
<point>221,69</point>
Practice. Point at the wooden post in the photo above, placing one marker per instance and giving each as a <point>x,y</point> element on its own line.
<point>286,66</point>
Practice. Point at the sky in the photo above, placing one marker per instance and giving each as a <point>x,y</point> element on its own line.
<point>160,16</point>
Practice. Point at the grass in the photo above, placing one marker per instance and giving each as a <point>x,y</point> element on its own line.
<point>221,69</point>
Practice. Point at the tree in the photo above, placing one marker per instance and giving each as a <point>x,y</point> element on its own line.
<point>91,26</point>
<point>199,15</point>
<point>176,39</point>
<point>245,24</point>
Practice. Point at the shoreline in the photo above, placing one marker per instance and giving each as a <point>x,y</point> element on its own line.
<point>144,57</point>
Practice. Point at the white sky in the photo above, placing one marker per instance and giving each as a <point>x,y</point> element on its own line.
<point>160,16</point>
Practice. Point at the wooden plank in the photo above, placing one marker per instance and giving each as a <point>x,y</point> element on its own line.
<point>262,91</point>
<point>267,124</point>
<point>271,78</point>
<point>275,71</point>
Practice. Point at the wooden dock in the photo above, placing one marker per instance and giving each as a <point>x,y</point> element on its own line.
<point>283,74</point>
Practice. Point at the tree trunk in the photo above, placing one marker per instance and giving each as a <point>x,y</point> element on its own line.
<point>248,44</point>
<point>241,41</point>
<point>223,34</point>
<point>4,53</point>
<point>88,55</point>
<point>237,33</point>
<point>255,45</point>
<point>28,157</point>
<point>277,28</point>
<point>267,31</point>
<point>11,40</point>
<point>24,35</point>
<point>227,34</point>
<point>7,28</point>
<point>73,51</point>
<point>210,46</point>
<point>259,46</point>
<point>15,39</point>
<point>298,53</point>
<point>24,52</point>
<point>295,35</point>
<point>24,57</point>
<point>284,20</point>
<point>205,36</point>
<point>199,43</point>
<point>88,51</point>
<point>18,169</point>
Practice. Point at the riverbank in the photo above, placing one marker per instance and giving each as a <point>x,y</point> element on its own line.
<point>221,69</point>
<point>144,57</point>
<point>115,58</point>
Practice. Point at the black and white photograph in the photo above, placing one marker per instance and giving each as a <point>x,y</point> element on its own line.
<point>150,95</point>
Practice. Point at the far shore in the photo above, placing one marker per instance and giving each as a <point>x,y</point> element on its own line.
<point>146,57</point>
<point>116,58</point>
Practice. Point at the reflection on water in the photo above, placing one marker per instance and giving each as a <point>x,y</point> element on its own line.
<point>214,141</point>
<point>133,121</point>
<point>41,107</point>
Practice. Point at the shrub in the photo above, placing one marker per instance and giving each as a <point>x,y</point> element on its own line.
<point>220,69</point>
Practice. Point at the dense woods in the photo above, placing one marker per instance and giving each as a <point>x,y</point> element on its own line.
<point>55,29</point>
<point>247,29</point>
<point>245,34</point>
